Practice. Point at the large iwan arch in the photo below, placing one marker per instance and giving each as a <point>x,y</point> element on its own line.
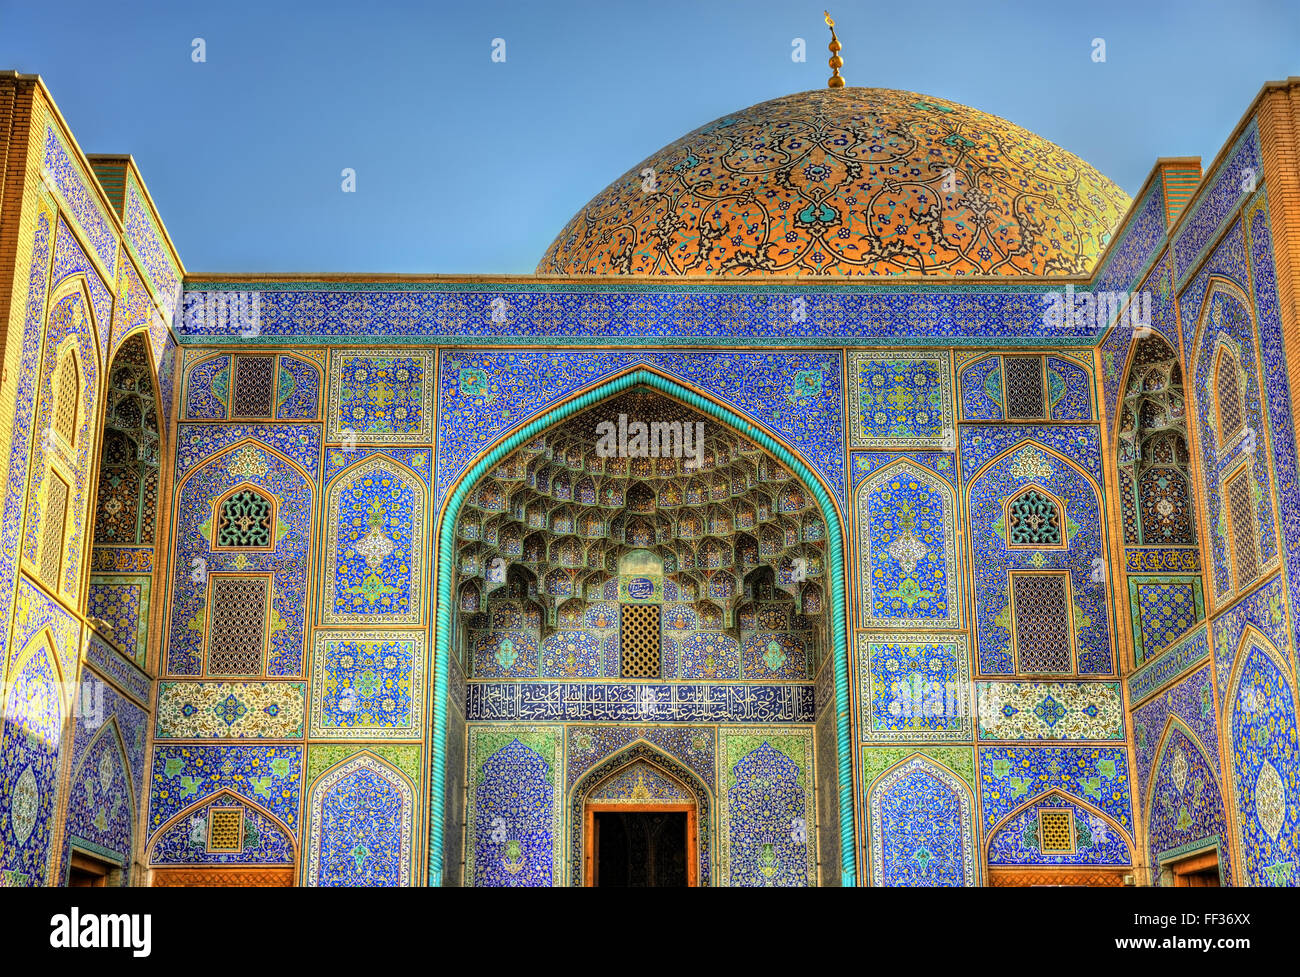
<point>445,578</point>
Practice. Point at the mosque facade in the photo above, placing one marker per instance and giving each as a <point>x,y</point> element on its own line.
<point>863,491</point>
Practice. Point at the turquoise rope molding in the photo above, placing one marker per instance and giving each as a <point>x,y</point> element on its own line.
<point>446,547</point>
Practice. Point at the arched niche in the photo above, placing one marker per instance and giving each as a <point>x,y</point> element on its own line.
<point>921,826</point>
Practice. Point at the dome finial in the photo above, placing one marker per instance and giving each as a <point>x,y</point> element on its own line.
<point>836,61</point>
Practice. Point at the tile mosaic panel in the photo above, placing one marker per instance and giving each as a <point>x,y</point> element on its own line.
<point>29,755</point>
<point>1265,763</point>
<point>958,759</point>
<point>1050,711</point>
<point>485,393</point>
<point>270,776</point>
<point>915,688</point>
<point>1032,465</point>
<point>1185,806</point>
<point>144,239</point>
<point>263,841</point>
<point>68,330</point>
<point>1268,318</point>
<point>566,313</point>
<point>381,396</point>
<point>75,189</point>
<point>374,542</point>
<point>100,813</point>
<point>123,602</point>
<point>900,400</point>
<point>921,827</point>
<point>514,821</point>
<point>1264,609</point>
<point>230,710</point>
<point>1163,609</point>
<point>368,684</point>
<point>1096,841</point>
<point>1201,224</point>
<point>362,817</point>
<point>12,504</point>
<point>196,559</point>
<point>1226,324</point>
<point>766,795</point>
<point>1098,775</point>
<point>1190,702</point>
<point>1175,660</point>
<point>907,532</point>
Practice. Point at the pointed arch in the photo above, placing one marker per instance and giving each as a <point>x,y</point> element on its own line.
<point>92,821</point>
<point>933,810</point>
<point>448,520</point>
<point>1065,795</point>
<point>31,732</point>
<point>640,751</point>
<point>1041,446</point>
<point>1167,841</point>
<point>375,851</point>
<point>230,449</point>
<point>43,643</point>
<point>1259,732</point>
<point>285,569</point>
<point>223,506</point>
<point>1084,621</point>
<point>1052,505</point>
<point>168,831</point>
<point>1173,722</point>
<point>110,728</point>
<point>131,442</point>
<point>890,539</point>
<point>55,535</point>
<point>78,283</point>
<point>355,574</point>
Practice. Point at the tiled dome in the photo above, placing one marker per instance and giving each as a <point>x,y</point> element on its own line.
<point>845,182</point>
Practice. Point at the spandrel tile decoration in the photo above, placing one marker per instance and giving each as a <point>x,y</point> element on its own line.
<point>864,490</point>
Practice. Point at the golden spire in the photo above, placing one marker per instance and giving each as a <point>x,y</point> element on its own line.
<point>836,61</point>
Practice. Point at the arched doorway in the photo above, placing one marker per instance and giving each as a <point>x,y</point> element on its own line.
<point>641,819</point>
<point>542,541</point>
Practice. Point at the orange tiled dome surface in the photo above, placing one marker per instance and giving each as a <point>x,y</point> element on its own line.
<point>854,181</point>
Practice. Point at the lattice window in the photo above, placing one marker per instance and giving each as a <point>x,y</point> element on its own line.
<point>1056,831</point>
<point>52,529</point>
<point>640,641</point>
<point>237,624</point>
<point>1227,388</point>
<point>68,387</point>
<point>1023,379</point>
<point>1241,507</point>
<point>244,521</point>
<point>1034,519</point>
<point>226,829</point>
<point>1042,619</point>
<point>254,387</point>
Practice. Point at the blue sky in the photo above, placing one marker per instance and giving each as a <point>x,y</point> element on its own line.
<point>466,165</point>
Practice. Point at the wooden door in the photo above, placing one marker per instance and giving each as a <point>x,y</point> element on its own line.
<point>591,836</point>
<point>253,876</point>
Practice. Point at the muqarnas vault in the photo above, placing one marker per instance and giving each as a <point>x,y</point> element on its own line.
<point>894,578</point>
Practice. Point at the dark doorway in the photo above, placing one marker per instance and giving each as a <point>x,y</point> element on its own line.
<point>641,848</point>
<point>1198,871</point>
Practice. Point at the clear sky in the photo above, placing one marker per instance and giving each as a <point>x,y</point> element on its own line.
<point>468,165</point>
